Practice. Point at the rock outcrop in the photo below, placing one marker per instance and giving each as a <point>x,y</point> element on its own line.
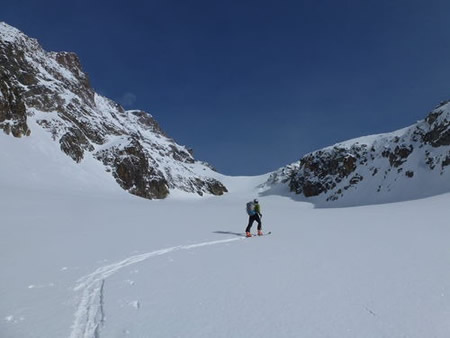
<point>53,89</point>
<point>406,164</point>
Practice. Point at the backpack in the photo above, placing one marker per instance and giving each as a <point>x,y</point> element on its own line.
<point>250,208</point>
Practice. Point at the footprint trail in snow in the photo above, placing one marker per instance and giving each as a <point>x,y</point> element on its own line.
<point>89,317</point>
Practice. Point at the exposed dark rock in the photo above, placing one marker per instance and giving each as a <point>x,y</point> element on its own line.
<point>356,179</point>
<point>72,62</point>
<point>439,133</point>
<point>74,143</point>
<point>439,136</point>
<point>132,145</point>
<point>322,170</point>
<point>180,155</point>
<point>446,161</point>
<point>148,122</point>
<point>130,166</point>
<point>409,173</point>
<point>399,155</point>
<point>338,171</point>
<point>13,117</point>
<point>215,187</point>
<point>429,160</point>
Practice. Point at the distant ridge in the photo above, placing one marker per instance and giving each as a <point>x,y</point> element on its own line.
<point>406,164</point>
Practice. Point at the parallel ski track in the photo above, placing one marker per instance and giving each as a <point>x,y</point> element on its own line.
<point>89,316</point>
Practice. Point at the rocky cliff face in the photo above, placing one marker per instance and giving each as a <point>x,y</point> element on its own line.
<point>53,89</point>
<point>406,164</point>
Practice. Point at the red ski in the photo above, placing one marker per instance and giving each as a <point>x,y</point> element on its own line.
<point>264,234</point>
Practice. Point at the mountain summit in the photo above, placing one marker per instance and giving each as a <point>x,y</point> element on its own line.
<point>50,90</point>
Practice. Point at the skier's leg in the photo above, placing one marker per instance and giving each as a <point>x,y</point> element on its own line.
<point>251,219</point>
<point>258,219</point>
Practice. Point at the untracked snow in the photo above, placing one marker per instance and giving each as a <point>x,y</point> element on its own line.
<point>82,258</point>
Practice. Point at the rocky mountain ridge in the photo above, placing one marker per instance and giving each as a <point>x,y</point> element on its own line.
<point>53,89</point>
<point>410,163</point>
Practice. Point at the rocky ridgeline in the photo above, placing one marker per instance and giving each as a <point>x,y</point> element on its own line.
<point>53,89</point>
<point>409,163</point>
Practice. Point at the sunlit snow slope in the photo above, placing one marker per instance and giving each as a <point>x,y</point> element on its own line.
<point>82,258</point>
<point>409,163</point>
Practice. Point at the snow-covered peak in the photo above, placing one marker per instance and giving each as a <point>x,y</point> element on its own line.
<point>12,35</point>
<point>409,163</point>
<point>9,33</point>
<point>440,115</point>
<point>51,91</point>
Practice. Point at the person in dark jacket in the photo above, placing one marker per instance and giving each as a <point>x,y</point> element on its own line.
<point>254,214</point>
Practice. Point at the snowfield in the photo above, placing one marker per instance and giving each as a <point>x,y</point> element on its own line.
<point>82,258</point>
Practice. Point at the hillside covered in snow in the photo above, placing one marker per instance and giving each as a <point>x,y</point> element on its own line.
<point>406,164</point>
<point>47,91</point>
<point>103,263</point>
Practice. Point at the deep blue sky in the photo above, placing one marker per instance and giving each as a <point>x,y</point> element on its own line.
<point>254,85</point>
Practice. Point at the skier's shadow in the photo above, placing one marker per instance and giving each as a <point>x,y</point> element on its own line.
<point>240,234</point>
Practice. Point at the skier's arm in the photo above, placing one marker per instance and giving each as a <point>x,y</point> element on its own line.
<point>258,210</point>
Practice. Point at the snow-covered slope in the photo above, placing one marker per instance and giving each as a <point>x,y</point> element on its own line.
<point>114,265</point>
<point>49,91</point>
<point>406,164</point>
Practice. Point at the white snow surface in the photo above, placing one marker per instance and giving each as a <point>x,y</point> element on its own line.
<point>9,33</point>
<point>82,258</point>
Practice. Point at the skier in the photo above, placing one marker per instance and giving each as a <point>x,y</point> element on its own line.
<point>254,213</point>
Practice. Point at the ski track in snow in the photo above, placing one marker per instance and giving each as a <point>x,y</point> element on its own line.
<point>89,317</point>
